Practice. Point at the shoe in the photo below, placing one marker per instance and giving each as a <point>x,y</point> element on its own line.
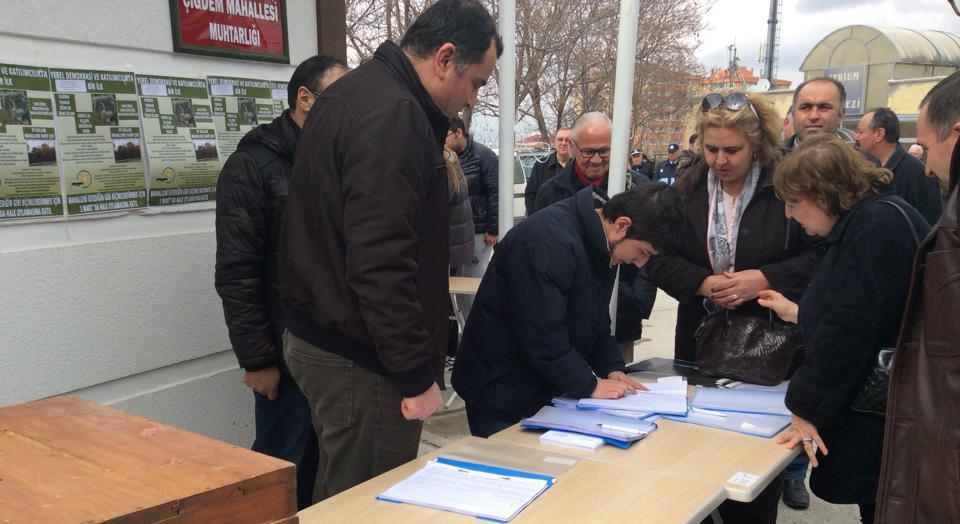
<point>795,494</point>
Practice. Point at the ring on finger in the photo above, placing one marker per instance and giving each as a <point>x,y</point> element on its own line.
<point>807,441</point>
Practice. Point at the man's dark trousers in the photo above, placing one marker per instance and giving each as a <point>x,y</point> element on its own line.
<point>356,415</point>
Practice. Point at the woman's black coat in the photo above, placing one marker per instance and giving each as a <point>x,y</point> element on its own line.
<point>852,308</point>
<point>767,241</point>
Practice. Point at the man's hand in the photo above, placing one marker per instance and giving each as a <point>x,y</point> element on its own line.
<point>423,405</point>
<point>263,381</point>
<point>632,385</point>
<point>489,239</point>
<point>608,388</point>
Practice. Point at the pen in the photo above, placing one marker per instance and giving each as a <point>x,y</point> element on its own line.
<point>620,429</point>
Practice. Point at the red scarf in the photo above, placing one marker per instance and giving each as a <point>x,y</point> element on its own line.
<point>584,180</point>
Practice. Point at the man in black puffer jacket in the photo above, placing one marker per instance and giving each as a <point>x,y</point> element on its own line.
<point>251,194</point>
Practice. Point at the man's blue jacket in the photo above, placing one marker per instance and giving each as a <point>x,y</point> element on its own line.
<point>540,324</point>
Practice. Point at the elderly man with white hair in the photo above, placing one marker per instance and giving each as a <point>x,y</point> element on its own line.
<point>590,148</point>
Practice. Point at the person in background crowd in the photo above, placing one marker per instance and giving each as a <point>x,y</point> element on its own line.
<point>640,164</point>
<point>364,251</point>
<point>736,240</point>
<point>481,169</point>
<point>688,155</point>
<point>540,326</point>
<point>918,476</point>
<point>543,171</point>
<point>818,107</point>
<point>251,193</point>
<point>851,309</point>
<point>878,134</point>
<point>916,151</point>
<point>787,133</point>
<point>461,232</point>
<point>666,170</point>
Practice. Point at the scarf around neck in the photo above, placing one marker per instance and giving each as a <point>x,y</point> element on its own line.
<point>722,244</point>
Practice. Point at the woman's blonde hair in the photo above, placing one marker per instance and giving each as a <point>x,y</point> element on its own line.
<point>762,128</point>
<point>826,170</point>
<point>452,161</point>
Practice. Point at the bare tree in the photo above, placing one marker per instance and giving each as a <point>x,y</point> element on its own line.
<point>566,54</point>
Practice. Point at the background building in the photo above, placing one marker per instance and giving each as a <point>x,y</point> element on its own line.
<point>120,308</point>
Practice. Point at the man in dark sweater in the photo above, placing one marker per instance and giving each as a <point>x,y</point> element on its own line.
<point>546,170</point>
<point>540,326</point>
<point>364,252</point>
<point>251,194</point>
<point>878,134</point>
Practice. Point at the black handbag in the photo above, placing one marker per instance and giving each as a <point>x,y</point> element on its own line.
<point>747,348</point>
<point>872,396</point>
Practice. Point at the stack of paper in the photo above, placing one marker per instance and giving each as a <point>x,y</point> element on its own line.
<point>618,431</point>
<point>571,440</point>
<point>474,489</point>
<point>571,403</point>
<point>664,396</point>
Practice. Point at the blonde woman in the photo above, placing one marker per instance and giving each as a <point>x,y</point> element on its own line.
<point>736,240</point>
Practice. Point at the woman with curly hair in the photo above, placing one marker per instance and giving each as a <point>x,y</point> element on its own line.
<point>850,311</point>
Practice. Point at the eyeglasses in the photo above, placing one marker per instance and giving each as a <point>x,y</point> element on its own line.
<point>316,94</point>
<point>733,102</point>
<point>587,154</point>
<point>563,140</point>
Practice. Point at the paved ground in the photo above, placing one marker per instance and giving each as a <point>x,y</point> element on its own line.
<point>451,424</point>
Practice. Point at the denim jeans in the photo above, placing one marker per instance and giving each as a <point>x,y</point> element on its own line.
<point>284,431</point>
<point>483,424</point>
<point>797,469</point>
<point>482,255</point>
<point>356,414</point>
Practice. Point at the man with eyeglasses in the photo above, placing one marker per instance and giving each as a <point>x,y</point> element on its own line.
<point>590,145</point>
<point>251,195</point>
<point>666,170</point>
<point>543,171</point>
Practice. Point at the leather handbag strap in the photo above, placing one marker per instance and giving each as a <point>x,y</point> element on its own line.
<point>913,231</point>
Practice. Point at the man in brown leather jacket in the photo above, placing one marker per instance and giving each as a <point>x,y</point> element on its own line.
<point>920,475</point>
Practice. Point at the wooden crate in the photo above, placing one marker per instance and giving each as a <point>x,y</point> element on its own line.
<point>68,460</point>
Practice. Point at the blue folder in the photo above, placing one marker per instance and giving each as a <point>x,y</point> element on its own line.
<point>756,424</point>
<point>741,400</point>
<point>619,431</point>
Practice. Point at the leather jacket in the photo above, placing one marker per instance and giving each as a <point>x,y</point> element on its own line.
<point>920,475</point>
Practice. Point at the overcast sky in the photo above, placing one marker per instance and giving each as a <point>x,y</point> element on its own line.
<point>806,22</point>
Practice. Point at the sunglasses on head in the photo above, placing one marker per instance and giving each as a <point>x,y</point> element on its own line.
<point>733,102</point>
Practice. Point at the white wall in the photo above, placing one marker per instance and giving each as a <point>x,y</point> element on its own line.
<point>121,309</point>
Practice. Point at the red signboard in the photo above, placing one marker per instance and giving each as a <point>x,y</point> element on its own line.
<point>250,29</point>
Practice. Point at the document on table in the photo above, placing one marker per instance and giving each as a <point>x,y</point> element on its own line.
<point>665,396</point>
<point>618,431</point>
<point>741,400</point>
<point>756,424</point>
<point>469,488</point>
<point>571,403</point>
